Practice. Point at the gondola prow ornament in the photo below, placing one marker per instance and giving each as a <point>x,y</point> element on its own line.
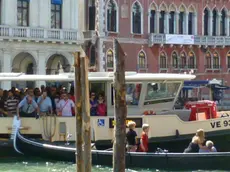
<point>15,129</point>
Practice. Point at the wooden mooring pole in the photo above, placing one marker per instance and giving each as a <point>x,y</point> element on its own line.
<point>86,114</point>
<point>120,110</point>
<point>78,110</point>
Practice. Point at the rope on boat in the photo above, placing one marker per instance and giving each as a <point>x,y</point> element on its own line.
<point>15,129</point>
<point>49,134</point>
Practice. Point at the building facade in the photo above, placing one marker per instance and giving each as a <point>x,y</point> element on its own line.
<point>38,37</point>
<point>164,36</point>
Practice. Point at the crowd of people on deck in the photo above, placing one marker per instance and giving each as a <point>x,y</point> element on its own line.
<point>56,100</point>
<point>45,101</point>
<point>198,144</point>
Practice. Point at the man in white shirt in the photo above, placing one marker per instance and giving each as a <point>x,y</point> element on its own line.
<point>65,106</point>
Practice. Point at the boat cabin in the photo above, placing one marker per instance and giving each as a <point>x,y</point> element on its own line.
<point>146,93</point>
<point>150,99</point>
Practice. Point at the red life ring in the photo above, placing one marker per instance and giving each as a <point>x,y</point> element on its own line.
<point>149,112</point>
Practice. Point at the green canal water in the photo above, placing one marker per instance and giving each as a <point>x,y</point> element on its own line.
<point>35,165</point>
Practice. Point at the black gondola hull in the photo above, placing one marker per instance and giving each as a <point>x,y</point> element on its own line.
<point>167,161</point>
<point>221,139</point>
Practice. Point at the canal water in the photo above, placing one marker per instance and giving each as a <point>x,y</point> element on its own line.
<point>38,165</point>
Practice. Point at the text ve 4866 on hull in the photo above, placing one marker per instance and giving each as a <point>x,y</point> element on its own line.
<point>172,161</point>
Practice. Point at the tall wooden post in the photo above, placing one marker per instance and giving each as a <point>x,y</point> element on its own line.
<point>120,109</point>
<point>86,114</point>
<point>78,110</point>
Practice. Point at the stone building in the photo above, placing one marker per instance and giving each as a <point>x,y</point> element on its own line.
<point>38,36</point>
<point>164,36</point>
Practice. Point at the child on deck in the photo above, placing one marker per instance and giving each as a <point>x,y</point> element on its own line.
<point>144,138</point>
<point>131,137</point>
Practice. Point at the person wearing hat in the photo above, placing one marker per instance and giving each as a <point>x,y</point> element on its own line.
<point>131,137</point>
<point>93,104</point>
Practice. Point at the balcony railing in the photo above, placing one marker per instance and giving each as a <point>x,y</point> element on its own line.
<point>38,34</point>
<point>198,40</point>
<point>216,67</point>
<point>178,66</point>
<point>213,67</point>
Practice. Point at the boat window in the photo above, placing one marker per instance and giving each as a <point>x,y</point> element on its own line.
<point>161,92</point>
<point>133,91</point>
<point>98,99</point>
<point>97,87</point>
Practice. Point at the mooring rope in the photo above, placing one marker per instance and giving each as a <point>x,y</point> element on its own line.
<point>49,134</point>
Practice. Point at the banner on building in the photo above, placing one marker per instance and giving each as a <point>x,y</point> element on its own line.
<point>179,39</point>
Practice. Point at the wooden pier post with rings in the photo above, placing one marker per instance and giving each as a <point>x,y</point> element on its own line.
<point>86,113</point>
<point>78,112</point>
<point>120,109</point>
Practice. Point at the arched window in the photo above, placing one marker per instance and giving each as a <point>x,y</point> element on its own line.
<point>214,22</point>
<point>175,60</point>
<point>172,20</point>
<point>191,21</point>
<point>142,60</point>
<point>163,60</point>
<point>208,60</point>
<point>30,70</point>
<point>162,18</point>
<point>216,61</point>
<point>222,23</point>
<point>228,59</point>
<point>191,60</point>
<point>183,60</point>
<point>91,14</point>
<point>23,13</point>
<point>152,19</point>
<point>136,18</point>
<point>206,21</point>
<point>110,59</point>
<point>111,16</point>
<point>182,18</point>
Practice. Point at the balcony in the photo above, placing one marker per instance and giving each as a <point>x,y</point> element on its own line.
<point>198,40</point>
<point>178,66</point>
<point>38,34</point>
<point>90,35</point>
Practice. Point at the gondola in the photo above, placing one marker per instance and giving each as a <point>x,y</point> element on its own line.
<point>157,160</point>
